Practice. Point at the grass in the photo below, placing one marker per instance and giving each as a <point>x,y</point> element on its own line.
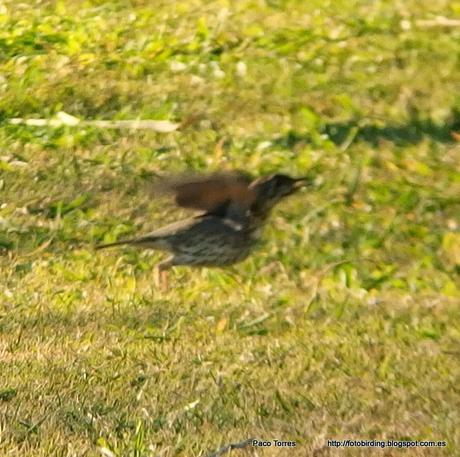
<point>344,324</point>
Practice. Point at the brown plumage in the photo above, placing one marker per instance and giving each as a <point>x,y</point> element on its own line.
<point>234,209</point>
<point>209,192</point>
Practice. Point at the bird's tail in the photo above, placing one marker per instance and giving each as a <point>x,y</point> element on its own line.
<point>116,243</point>
<point>146,241</point>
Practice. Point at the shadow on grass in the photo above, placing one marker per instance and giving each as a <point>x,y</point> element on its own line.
<point>414,131</point>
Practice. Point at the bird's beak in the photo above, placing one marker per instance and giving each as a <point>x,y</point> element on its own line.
<point>302,182</point>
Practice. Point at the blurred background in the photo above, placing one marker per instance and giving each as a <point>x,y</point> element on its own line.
<point>344,324</point>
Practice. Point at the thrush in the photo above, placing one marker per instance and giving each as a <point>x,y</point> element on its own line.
<point>233,208</point>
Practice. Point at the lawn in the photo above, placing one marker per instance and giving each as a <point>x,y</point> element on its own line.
<point>343,324</point>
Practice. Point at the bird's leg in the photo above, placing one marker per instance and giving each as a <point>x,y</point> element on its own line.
<point>161,274</point>
<point>160,277</point>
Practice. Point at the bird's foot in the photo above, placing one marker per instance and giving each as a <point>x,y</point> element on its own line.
<point>161,276</point>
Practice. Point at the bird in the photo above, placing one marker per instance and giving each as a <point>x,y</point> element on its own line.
<point>234,207</point>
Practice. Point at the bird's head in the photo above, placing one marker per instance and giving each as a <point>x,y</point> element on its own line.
<point>271,189</point>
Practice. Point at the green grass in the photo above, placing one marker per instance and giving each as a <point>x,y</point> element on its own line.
<point>291,344</point>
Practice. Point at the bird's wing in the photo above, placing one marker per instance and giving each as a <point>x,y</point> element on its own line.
<point>211,192</point>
